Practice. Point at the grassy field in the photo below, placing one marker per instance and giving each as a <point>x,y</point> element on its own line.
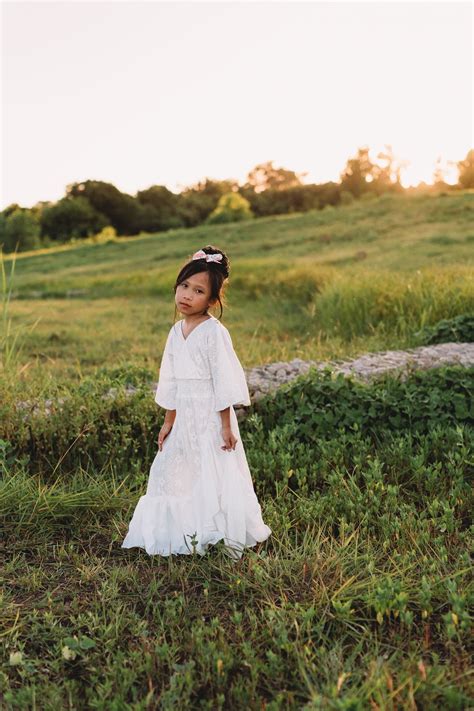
<point>323,284</point>
<point>360,598</point>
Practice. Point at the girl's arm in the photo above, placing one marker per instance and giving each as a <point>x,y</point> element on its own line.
<point>166,427</point>
<point>230,440</point>
<point>170,416</point>
<point>225,417</point>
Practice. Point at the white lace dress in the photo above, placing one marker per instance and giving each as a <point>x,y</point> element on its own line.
<point>198,493</point>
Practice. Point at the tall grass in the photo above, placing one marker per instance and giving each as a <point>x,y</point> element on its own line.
<point>394,304</point>
<point>10,336</point>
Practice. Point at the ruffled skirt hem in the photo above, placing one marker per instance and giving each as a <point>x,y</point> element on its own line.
<point>157,527</point>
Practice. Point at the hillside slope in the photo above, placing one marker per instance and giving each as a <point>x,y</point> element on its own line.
<point>321,284</point>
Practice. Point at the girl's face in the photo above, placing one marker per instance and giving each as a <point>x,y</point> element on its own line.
<point>192,296</point>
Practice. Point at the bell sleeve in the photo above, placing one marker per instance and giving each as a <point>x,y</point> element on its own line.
<point>166,390</point>
<point>228,377</point>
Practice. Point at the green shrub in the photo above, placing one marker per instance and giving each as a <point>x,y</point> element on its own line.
<point>320,404</point>
<point>379,486</point>
<point>232,207</point>
<point>90,426</point>
<point>453,330</point>
<point>104,420</point>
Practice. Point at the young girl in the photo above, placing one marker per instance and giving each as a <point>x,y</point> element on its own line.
<point>200,489</point>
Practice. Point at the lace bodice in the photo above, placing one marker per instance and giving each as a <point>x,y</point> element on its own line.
<point>206,354</point>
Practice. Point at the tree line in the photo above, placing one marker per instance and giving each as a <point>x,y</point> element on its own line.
<point>94,208</point>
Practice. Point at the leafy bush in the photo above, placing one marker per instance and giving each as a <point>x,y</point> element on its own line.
<point>104,420</point>
<point>352,482</point>
<point>232,207</point>
<point>321,405</point>
<point>452,330</point>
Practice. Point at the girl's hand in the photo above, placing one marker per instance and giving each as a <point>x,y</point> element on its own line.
<point>163,433</point>
<point>229,439</point>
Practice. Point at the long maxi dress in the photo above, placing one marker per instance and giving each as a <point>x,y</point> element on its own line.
<point>198,493</point>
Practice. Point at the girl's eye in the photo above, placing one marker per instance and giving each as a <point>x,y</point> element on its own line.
<point>200,290</point>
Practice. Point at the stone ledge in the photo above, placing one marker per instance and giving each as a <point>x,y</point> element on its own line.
<point>266,378</point>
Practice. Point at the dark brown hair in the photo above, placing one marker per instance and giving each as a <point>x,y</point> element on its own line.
<point>218,273</point>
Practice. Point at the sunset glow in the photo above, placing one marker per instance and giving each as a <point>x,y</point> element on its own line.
<point>171,93</point>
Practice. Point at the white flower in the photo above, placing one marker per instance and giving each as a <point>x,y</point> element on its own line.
<point>68,653</point>
<point>16,658</point>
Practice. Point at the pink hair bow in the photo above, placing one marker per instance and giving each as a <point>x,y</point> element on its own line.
<point>214,257</point>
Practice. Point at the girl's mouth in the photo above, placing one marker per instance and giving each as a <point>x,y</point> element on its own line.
<point>185,305</point>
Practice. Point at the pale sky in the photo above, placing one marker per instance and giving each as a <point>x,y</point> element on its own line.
<point>169,93</point>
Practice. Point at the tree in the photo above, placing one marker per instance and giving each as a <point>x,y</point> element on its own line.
<point>439,173</point>
<point>354,177</point>
<point>21,228</point>
<point>266,177</point>
<point>386,176</point>
<point>11,208</point>
<point>71,218</point>
<point>466,171</point>
<point>198,201</point>
<point>121,210</point>
<point>3,224</point>
<point>159,209</point>
<point>232,207</point>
